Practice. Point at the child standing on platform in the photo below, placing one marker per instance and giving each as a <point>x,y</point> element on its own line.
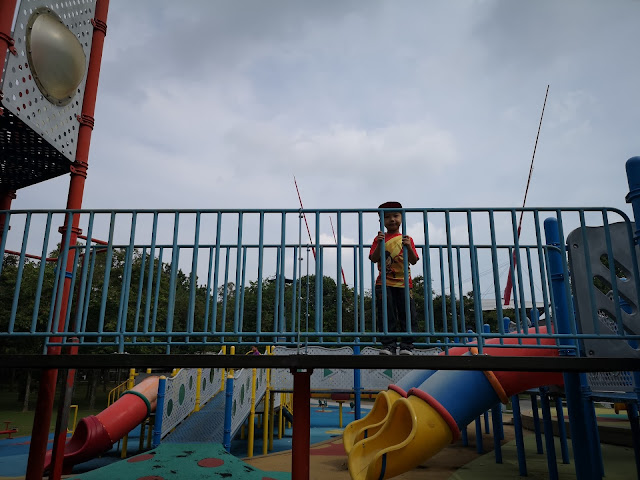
<point>394,243</point>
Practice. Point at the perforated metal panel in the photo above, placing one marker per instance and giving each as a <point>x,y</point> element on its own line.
<point>38,138</point>
<point>596,310</point>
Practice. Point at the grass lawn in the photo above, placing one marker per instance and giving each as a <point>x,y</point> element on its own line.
<point>11,409</point>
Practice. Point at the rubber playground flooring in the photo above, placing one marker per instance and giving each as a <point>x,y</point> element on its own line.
<point>328,459</point>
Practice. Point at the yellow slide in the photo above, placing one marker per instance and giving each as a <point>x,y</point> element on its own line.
<point>414,432</point>
<point>372,422</point>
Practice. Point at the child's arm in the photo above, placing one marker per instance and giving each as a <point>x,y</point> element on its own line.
<point>377,253</point>
<point>411,253</point>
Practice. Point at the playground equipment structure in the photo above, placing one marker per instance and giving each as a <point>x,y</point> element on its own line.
<point>183,284</point>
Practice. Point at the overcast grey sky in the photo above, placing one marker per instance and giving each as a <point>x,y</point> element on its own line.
<point>218,104</point>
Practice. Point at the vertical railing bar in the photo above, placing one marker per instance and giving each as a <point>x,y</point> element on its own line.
<point>519,322</point>
<point>383,276</point>
<point>360,247</point>
<point>565,268</point>
<point>136,320</point>
<point>5,234</point>
<point>126,283</point>
<point>85,310</point>
<point>54,292</point>
<point>475,282</point>
<point>541,261</point>
<point>242,288</point>
<point>496,274</point>
<point>445,320</point>
<point>83,275</point>
<point>428,290</point>
<point>225,292</point>
<point>64,254</point>
<point>208,299</point>
<point>374,314</point>
<point>318,280</point>
<point>236,303</point>
<point>463,326</point>
<point>72,285</point>
<point>338,275</point>
<point>320,251</point>
<point>175,259</point>
<point>282,327</point>
<point>156,296</point>
<point>107,275</point>
<point>518,271</point>
<point>41,270</point>
<point>534,321</point>
<point>294,293</point>
<point>193,282</point>
<point>407,279</point>
<point>298,296</point>
<point>260,266</point>
<point>152,261</point>
<point>357,280</point>
<point>276,297</point>
<point>18,281</point>
<point>452,288</point>
<point>216,269</point>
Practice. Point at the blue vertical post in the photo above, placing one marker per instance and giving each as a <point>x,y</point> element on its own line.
<point>496,417</point>
<point>517,426</point>
<point>579,435</point>
<point>479,447</point>
<point>552,466</point>
<point>228,404</point>
<point>632,415</point>
<point>562,431</point>
<point>536,423</point>
<point>157,425</point>
<point>357,386</point>
<point>633,197</point>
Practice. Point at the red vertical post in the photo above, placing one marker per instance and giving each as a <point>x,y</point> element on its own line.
<point>301,441</point>
<point>6,196</point>
<point>46,392</point>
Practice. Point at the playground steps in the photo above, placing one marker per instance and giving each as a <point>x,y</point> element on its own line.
<point>205,426</point>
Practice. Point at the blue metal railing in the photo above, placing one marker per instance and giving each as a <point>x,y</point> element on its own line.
<point>201,278</point>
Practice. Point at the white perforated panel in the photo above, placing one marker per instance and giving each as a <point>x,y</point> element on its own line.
<point>57,125</point>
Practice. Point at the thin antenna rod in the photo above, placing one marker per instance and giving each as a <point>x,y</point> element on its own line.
<point>508,287</point>
<point>305,217</point>
<point>344,280</point>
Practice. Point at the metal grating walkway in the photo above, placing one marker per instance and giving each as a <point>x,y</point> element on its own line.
<point>205,426</point>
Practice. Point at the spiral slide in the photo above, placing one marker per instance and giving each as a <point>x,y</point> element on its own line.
<point>97,433</point>
<point>427,418</point>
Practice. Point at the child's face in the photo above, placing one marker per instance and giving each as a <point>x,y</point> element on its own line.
<point>392,221</point>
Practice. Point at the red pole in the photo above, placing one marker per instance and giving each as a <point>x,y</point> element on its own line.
<point>301,442</point>
<point>46,392</point>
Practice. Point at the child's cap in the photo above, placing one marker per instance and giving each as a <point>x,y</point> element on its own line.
<point>391,205</point>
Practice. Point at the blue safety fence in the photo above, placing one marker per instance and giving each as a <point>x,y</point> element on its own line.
<point>183,281</point>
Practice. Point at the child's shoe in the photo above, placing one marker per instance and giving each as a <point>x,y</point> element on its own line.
<point>389,350</point>
<point>406,351</point>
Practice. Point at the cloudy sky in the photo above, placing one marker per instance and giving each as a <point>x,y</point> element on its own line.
<point>219,104</point>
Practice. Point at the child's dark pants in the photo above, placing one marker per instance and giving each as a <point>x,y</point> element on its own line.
<point>396,317</point>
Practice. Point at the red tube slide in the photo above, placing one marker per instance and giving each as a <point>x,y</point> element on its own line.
<point>97,433</point>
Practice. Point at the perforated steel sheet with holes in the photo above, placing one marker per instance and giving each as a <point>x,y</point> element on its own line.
<point>338,379</point>
<point>56,125</point>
